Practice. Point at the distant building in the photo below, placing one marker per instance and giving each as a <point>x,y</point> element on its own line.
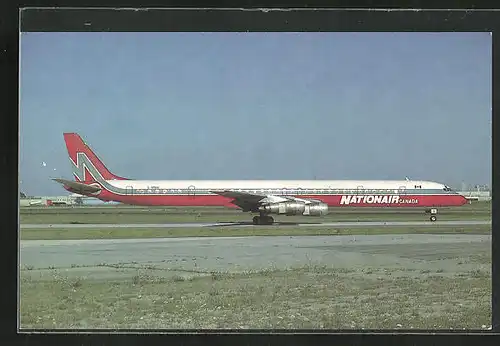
<point>86,200</point>
<point>29,201</point>
<point>476,192</point>
<point>476,195</point>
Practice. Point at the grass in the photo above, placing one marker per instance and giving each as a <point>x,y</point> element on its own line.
<point>130,214</point>
<point>312,296</point>
<point>306,297</point>
<point>228,231</point>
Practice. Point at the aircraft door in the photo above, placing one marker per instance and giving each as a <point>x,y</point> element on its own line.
<point>129,190</point>
<point>359,190</point>
<point>192,191</point>
<point>402,190</point>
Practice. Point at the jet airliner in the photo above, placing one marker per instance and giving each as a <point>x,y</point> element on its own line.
<point>262,197</point>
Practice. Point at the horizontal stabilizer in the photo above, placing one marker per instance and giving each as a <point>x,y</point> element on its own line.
<point>77,187</point>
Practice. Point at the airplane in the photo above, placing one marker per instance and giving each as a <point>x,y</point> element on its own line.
<point>262,197</point>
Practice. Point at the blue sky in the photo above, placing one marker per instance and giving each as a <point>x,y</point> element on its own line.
<point>258,105</point>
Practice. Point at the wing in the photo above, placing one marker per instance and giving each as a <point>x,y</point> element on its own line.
<point>77,187</point>
<point>244,200</point>
<point>251,202</point>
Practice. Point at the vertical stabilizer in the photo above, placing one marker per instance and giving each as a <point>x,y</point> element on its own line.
<point>85,162</point>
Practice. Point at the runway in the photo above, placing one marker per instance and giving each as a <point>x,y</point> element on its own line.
<point>122,258</point>
<point>249,224</point>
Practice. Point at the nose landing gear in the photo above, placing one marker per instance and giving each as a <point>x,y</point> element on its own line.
<point>433,212</point>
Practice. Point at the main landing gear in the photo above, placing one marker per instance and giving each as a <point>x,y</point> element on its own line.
<point>433,212</point>
<point>263,220</point>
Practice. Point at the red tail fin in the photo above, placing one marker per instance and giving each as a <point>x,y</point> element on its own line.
<point>75,145</point>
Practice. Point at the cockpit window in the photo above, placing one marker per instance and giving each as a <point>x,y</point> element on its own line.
<point>447,188</point>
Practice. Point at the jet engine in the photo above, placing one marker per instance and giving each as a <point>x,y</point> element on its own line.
<point>288,208</point>
<point>295,208</point>
<point>316,209</point>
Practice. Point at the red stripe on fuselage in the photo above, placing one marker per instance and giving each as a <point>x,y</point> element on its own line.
<point>332,200</point>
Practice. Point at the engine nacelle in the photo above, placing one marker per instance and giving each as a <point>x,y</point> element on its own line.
<point>295,208</point>
<point>316,209</point>
<point>288,208</point>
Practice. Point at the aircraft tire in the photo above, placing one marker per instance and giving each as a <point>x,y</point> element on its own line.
<point>256,220</point>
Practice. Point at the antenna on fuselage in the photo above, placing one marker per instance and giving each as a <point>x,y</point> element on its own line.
<point>407,179</point>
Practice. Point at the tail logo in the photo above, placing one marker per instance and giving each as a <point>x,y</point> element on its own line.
<point>82,163</point>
